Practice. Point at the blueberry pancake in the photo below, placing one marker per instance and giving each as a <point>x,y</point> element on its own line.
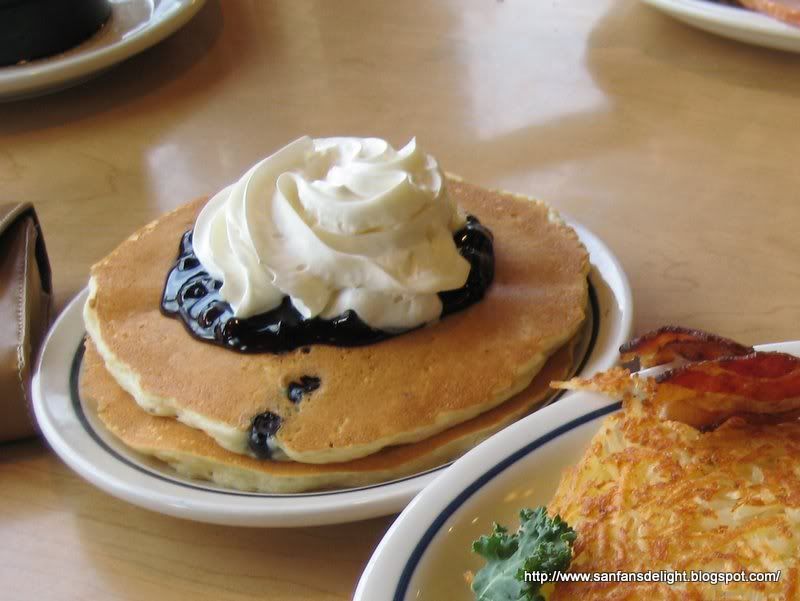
<point>426,340</point>
<point>192,453</point>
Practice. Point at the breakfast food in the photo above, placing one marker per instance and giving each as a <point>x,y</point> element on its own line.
<point>670,344</point>
<point>194,454</point>
<point>340,299</point>
<point>696,476</point>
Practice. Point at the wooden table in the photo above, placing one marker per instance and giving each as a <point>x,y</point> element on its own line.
<point>677,148</point>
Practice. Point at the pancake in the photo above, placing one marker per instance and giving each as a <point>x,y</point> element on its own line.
<point>398,391</point>
<point>194,454</point>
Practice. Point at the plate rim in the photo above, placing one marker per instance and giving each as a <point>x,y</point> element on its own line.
<point>207,505</point>
<point>442,499</point>
<point>704,14</point>
<point>55,73</point>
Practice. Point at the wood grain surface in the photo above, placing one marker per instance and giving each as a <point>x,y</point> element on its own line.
<point>678,148</point>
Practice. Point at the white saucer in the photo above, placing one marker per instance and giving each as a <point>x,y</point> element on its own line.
<point>134,26</point>
<point>82,442</point>
<point>732,22</point>
<point>425,553</point>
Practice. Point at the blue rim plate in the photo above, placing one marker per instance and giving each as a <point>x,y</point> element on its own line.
<point>425,553</point>
<point>79,438</point>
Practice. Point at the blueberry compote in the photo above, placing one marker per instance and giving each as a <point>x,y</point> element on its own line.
<point>192,295</point>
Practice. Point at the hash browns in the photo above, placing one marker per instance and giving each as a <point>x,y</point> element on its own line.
<point>699,471</point>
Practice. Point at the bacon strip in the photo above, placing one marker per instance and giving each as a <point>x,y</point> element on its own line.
<point>707,393</point>
<point>670,343</point>
<point>762,377</point>
<point>761,388</point>
<point>785,10</point>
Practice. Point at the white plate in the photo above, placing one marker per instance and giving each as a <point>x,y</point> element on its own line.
<point>82,442</point>
<point>427,550</point>
<point>732,22</point>
<point>134,25</point>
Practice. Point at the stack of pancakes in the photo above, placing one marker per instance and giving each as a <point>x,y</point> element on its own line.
<point>381,411</point>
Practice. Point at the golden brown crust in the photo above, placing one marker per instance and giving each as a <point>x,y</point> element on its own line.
<point>169,439</point>
<point>615,382</point>
<point>404,388</point>
<point>697,472</point>
<point>657,495</point>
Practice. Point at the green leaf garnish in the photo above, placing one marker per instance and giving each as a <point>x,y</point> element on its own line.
<point>542,544</point>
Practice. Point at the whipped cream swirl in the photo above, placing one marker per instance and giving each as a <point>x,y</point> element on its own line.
<point>336,224</point>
